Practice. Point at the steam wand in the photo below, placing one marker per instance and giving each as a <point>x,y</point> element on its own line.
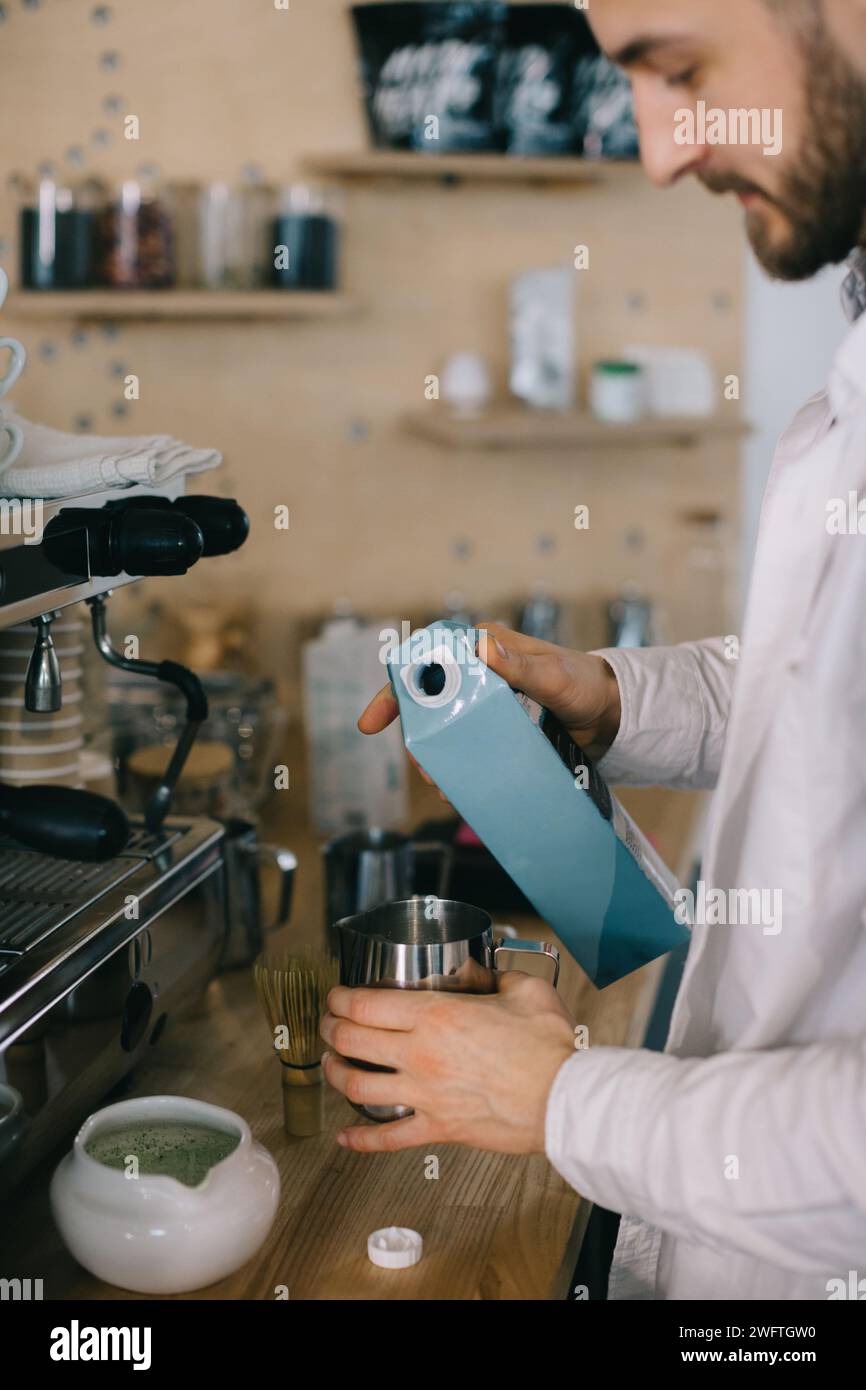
<point>174,674</point>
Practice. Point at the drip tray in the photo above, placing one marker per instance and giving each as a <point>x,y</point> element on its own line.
<point>38,894</point>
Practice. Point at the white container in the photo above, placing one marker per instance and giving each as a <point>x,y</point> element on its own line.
<point>153,1234</point>
<point>543,339</point>
<point>681,382</point>
<point>356,782</point>
<point>617,392</point>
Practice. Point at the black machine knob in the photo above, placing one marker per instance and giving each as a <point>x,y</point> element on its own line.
<point>64,822</point>
<point>124,540</point>
<point>149,542</point>
<point>222,521</point>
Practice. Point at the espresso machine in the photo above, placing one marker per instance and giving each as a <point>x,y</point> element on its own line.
<point>108,926</point>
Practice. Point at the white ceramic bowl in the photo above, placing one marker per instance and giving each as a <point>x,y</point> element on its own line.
<point>154,1234</point>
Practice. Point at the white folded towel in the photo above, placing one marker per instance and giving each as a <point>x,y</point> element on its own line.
<point>55,464</point>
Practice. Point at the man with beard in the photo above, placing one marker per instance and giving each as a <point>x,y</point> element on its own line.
<point>738,1156</point>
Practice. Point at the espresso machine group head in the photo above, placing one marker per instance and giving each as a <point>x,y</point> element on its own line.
<point>133,537</point>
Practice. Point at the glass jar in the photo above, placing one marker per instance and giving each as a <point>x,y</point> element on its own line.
<point>135,236</point>
<point>184,201</point>
<point>305,239</point>
<point>233,225</point>
<point>56,222</point>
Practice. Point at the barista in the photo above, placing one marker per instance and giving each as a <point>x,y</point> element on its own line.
<point>738,1157</point>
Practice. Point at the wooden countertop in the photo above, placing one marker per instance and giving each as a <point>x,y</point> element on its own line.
<point>494,1226</point>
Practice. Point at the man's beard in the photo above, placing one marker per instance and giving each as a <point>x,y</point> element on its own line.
<point>824,198</point>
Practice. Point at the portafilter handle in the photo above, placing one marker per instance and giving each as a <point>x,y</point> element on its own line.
<point>64,822</point>
<point>174,674</point>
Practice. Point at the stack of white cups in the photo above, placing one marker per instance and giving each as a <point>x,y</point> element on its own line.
<point>11,438</point>
<point>41,748</point>
<point>36,748</point>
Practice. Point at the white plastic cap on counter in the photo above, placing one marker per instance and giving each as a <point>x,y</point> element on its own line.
<point>395,1247</point>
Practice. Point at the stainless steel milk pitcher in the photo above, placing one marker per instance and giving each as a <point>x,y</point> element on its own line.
<point>368,867</point>
<point>424,943</point>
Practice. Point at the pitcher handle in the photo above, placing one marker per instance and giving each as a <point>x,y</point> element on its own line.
<point>540,948</point>
<point>286,864</point>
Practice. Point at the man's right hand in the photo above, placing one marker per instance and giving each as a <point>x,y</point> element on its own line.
<point>579,689</point>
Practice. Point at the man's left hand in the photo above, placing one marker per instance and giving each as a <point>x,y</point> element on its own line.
<point>476,1069</point>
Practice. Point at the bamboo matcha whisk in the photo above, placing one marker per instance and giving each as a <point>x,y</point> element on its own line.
<point>294,991</point>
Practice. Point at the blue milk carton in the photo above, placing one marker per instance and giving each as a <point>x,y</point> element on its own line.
<point>537,803</point>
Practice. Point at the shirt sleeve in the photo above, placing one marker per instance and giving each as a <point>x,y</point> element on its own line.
<point>757,1152</point>
<point>675,705</point>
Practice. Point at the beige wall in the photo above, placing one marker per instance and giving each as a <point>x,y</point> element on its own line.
<point>218,83</point>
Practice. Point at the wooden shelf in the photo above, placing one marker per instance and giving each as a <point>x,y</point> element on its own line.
<point>454,168</point>
<point>189,305</point>
<point>510,427</point>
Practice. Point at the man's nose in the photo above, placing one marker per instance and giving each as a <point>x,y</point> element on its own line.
<point>662,157</point>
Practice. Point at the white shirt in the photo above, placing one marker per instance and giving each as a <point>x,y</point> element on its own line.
<point>738,1156</point>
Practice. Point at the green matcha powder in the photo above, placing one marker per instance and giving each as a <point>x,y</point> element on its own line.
<point>171,1148</point>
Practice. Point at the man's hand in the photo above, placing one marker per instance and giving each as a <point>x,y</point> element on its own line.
<point>476,1069</point>
<point>579,689</point>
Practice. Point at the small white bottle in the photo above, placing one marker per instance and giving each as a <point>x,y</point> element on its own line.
<point>356,782</point>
